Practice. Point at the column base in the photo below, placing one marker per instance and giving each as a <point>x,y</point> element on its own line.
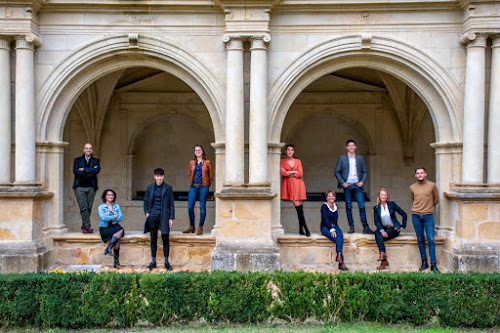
<point>23,256</point>
<point>245,256</point>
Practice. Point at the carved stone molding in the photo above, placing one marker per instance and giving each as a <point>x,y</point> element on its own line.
<point>5,42</point>
<point>28,41</point>
<point>474,39</point>
<point>266,38</point>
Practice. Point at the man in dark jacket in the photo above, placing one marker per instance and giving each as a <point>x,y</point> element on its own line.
<point>160,214</point>
<point>86,168</point>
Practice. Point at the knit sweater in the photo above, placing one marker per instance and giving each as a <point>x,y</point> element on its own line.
<point>424,196</point>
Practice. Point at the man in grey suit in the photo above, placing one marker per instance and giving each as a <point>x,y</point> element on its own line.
<point>351,174</point>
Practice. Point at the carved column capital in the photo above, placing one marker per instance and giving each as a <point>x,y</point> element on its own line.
<point>258,42</point>
<point>29,41</point>
<point>5,42</point>
<point>473,39</point>
<point>495,40</point>
<point>233,42</point>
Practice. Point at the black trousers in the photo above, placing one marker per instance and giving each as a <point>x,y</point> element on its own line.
<point>154,239</point>
<point>391,233</point>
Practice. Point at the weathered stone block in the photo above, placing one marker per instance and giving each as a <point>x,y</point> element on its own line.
<point>242,229</point>
<point>475,212</point>
<point>466,230</point>
<point>489,231</point>
<point>225,209</point>
<point>315,255</point>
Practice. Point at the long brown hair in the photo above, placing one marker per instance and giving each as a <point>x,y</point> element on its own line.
<point>203,156</point>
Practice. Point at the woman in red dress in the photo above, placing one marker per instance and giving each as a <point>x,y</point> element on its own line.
<point>292,186</point>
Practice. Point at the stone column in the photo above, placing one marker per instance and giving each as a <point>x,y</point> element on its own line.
<point>258,112</point>
<point>234,124</point>
<point>25,111</point>
<point>494,114</point>
<point>474,111</point>
<point>5,111</point>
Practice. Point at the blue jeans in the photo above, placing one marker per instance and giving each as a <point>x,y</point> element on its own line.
<point>339,240</point>
<point>358,195</point>
<point>425,223</point>
<point>201,193</point>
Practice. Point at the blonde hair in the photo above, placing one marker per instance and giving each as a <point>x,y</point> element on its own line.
<point>378,196</point>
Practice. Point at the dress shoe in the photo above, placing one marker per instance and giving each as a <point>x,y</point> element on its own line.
<point>151,266</point>
<point>168,267</point>
<point>434,268</point>
<point>343,267</point>
<point>301,231</point>
<point>368,232</point>
<point>425,265</point>
<point>351,230</point>
<point>90,230</point>
<point>199,231</point>
<point>383,265</point>
<point>188,230</point>
<point>84,231</point>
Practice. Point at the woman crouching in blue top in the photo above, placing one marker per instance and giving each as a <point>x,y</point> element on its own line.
<point>330,227</point>
<point>110,215</point>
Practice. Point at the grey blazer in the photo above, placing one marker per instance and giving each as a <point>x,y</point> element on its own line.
<point>342,169</point>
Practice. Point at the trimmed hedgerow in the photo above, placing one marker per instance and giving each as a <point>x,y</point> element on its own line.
<point>100,300</point>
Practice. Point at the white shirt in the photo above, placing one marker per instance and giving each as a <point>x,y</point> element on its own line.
<point>353,171</point>
<point>385,215</point>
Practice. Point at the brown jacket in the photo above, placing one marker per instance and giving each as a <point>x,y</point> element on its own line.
<point>207,172</point>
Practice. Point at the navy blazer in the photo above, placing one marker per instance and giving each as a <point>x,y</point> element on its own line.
<point>342,169</point>
<point>167,206</point>
<point>393,208</point>
<point>89,172</point>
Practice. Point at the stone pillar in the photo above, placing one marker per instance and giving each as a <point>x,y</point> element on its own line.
<point>25,111</point>
<point>129,176</point>
<point>234,124</point>
<point>474,111</point>
<point>274,177</point>
<point>258,112</point>
<point>494,114</point>
<point>5,111</point>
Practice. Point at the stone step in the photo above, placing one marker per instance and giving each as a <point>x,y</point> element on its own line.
<point>189,252</point>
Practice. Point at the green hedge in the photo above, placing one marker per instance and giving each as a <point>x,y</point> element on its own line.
<point>100,300</point>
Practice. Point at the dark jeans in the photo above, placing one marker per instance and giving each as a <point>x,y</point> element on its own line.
<point>358,195</point>
<point>85,199</point>
<point>201,193</point>
<point>154,239</point>
<point>425,223</point>
<point>339,240</point>
<point>391,233</point>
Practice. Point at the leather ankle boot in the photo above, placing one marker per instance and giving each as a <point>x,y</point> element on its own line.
<point>382,256</point>
<point>188,230</point>
<point>425,265</point>
<point>108,251</point>
<point>383,265</point>
<point>117,258</point>
<point>434,268</point>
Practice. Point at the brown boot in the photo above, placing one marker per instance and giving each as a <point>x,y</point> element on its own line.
<point>383,265</point>
<point>382,256</point>
<point>343,267</point>
<point>199,231</point>
<point>188,230</point>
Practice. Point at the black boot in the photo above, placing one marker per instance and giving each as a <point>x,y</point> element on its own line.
<point>434,268</point>
<point>117,258</point>
<point>302,221</point>
<point>112,243</point>
<point>425,265</point>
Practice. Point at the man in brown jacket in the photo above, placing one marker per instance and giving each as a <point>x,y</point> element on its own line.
<point>425,197</point>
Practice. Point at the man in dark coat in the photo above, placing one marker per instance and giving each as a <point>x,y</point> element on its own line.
<point>160,214</point>
<point>86,168</point>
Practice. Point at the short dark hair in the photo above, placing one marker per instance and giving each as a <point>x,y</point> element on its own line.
<point>103,196</point>
<point>159,172</point>
<point>420,167</point>
<point>349,141</point>
<point>328,192</point>
<point>289,145</point>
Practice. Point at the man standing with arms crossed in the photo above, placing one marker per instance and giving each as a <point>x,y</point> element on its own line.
<point>351,174</point>
<point>86,168</point>
<point>425,197</point>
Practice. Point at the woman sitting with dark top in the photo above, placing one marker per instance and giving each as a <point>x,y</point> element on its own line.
<point>330,228</point>
<point>110,215</point>
<point>388,227</point>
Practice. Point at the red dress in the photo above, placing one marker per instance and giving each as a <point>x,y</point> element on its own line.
<point>292,188</point>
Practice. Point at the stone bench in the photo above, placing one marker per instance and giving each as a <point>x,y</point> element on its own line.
<point>192,253</point>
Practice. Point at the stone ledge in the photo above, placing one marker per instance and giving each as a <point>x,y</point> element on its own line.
<point>358,240</point>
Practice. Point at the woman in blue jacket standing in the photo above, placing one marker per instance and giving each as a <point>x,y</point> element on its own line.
<point>110,215</point>
<point>330,228</point>
<point>388,226</point>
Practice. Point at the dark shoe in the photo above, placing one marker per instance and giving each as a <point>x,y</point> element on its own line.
<point>339,257</point>
<point>188,230</point>
<point>343,267</point>
<point>306,229</point>
<point>301,230</point>
<point>382,256</point>
<point>151,266</point>
<point>368,232</point>
<point>112,243</point>
<point>383,265</point>
<point>116,263</point>
<point>168,267</point>
<point>90,230</point>
<point>434,268</point>
<point>351,230</point>
<point>86,231</point>
<point>425,265</point>
<point>199,231</point>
